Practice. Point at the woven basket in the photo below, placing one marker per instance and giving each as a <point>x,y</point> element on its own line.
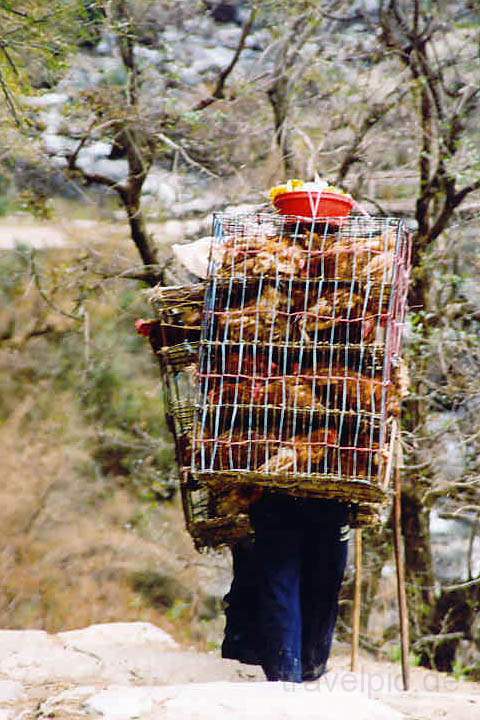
<point>208,527</point>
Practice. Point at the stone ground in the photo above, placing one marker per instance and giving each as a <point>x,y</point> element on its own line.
<point>121,671</point>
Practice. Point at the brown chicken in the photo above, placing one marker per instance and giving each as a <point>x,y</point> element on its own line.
<point>329,310</point>
<point>248,365</point>
<point>301,453</point>
<point>233,451</point>
<point>287,392</point>
<point>258,320</point>
<point>355,258</point>
<point>243,392</point>
<point>262,256</point>
<point>291,392</point>
<point>361,392</point>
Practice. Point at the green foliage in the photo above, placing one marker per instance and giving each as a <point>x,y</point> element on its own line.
<point>113,378</point>
<point>35,39</point>
<point>161,590</point>
<point>462,672</point>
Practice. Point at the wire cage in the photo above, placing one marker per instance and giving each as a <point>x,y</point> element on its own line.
<point>213,518</point>
<point>301,334</point>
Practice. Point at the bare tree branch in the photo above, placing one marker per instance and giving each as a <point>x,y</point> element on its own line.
<point>219,90</point>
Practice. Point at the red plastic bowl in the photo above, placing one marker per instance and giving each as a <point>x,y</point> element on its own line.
<point>314,204</point>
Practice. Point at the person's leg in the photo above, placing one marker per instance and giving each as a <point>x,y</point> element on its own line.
<point>241,606</point>
<point>278,545</point>
<point>324,560</point>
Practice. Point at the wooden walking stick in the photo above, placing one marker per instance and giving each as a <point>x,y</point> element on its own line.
<point>400,564</point>
<point>357,599</point>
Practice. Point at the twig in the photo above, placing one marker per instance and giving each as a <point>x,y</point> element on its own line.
<point>10,102</point>
<point>460,586</point>
<point>175,146</point>
<point>437,639</point>
<point>42,293</point>
<point>219,90</point>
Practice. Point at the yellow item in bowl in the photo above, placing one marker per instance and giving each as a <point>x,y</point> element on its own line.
<point>295,185</point>
<point>289,186</point>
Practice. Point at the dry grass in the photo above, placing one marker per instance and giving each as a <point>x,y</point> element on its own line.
<point>74,536</point>
<point>70,546</point>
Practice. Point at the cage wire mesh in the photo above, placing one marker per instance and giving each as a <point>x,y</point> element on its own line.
<point>301,330</point>
<point>210,517</point>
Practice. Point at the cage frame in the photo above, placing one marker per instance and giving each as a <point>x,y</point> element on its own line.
<point>366,493</point>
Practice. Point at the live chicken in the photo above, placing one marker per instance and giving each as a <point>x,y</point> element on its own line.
<point>301,453</point>
<point>340,387</point>
<point>287,392</point>
<point>259,320</point>
<point>359,258</point>
<point>261,256</point>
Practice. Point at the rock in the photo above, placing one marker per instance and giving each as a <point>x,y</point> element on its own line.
<point>85,71</point>
<point>449,453</point>
<point>228,37</point>
<point>208,59</point>
<point>450,542</point>
<point>95,637</point>
<point>190,77</point>
<point>172,34</point>
<point>126,650</point>
<point>67,702</point>
<point>100,149</point>
<point>162,187</point>
<point>40,659</point>
<point>46,100</point>
<point>122,703</point>
<point>15,640</point>
<point>58,144</point>
<point>107,45</point>
<point>258,40</point>
<point>194,256</point>
<point>217,701</point>
<point>116,170</point>
<point>53,121</point>
<point>148,56</point>
<point>11,691</point>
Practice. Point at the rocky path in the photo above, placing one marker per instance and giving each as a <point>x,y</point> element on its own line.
<point>46,234</point>
<point>122,671</point>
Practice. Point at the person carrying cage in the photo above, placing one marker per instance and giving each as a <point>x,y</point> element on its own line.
<point>300,329</point>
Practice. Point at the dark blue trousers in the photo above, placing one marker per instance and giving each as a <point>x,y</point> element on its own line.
<point>241,607</point>
<point>301,553</point>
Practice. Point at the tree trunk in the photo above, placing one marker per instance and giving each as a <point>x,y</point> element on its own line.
<point>420,574</point>
<point>455,612</point>
<point>144,242</point>
<point>278,97</point>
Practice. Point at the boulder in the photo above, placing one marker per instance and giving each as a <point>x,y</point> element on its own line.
<point>116,170</point>
<point>242,701</point>
<point>95,637</point>
<point>210,59</point>
<point>47,100</point>
<point>36,658</point>
<point>11,691</point>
